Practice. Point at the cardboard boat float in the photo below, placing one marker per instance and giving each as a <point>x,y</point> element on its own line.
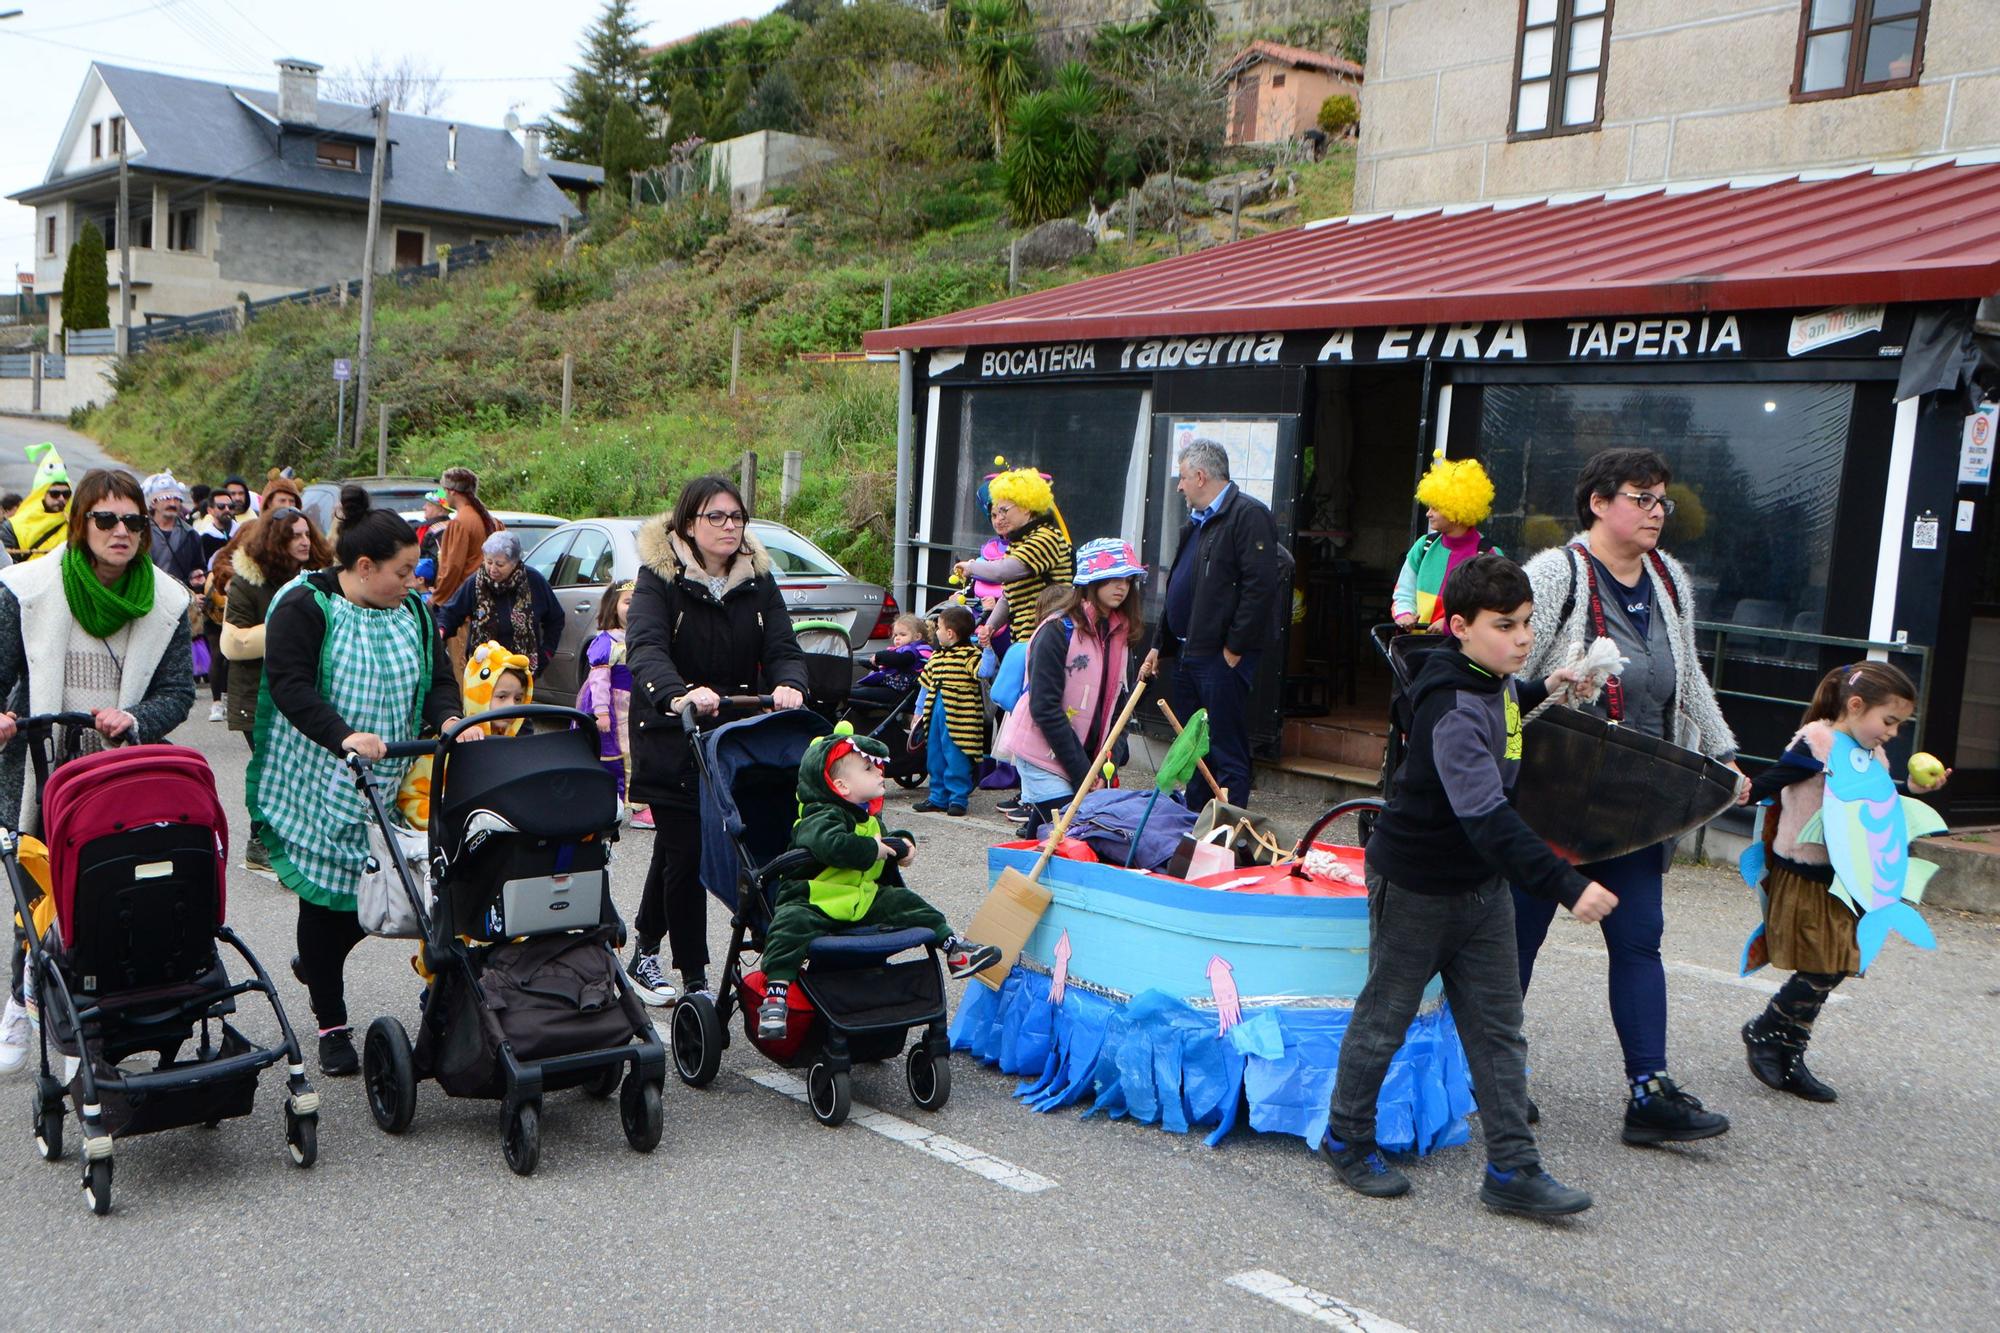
<point>1191,1003</point>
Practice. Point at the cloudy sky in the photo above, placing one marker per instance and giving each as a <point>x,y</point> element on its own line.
<point>494,54</point>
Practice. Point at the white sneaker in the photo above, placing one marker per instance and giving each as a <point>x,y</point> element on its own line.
<point>16,1033</point>
<point>218,712</point>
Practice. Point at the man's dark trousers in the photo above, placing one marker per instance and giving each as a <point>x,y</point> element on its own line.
<point>1469,939</point>
<point>1207,681</point>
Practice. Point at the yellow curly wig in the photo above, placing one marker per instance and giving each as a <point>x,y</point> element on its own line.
<point>1459,489</point>
<point>1025,489</point>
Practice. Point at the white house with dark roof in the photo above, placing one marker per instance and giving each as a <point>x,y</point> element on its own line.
<point>241,191</point>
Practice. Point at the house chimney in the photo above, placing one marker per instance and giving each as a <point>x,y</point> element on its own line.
<point>531,151</point>
<point>451,148</point>
<point>298,92</point>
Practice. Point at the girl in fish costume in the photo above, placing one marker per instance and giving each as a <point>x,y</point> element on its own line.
<point>1833,869</point>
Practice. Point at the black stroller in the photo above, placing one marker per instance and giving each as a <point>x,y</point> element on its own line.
<point>851,1002</point>
<point>137,846</point>
<point>527,995</point>
<point>885,715</point>
<point>829,663</point>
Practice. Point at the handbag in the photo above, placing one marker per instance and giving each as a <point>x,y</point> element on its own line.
<point>1252,838</point>
<point>1197,856</point>
<point>380,899</point>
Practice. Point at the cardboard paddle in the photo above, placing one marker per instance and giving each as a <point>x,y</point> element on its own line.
<point>1015,904</point>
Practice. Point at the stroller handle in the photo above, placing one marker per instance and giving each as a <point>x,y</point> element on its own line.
<point>547,712</point>
<point>746,702</point>
<point>49,721</point>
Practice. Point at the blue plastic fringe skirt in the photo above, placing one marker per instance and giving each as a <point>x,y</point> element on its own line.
<point>1161,1062</point>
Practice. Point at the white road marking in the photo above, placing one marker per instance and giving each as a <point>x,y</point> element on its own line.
<point>961,1155</point>
<point>1314,1305</point>
<point>1761,985</point>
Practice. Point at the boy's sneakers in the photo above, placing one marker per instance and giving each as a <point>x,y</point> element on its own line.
<point>17,1033</point>
<point>648,980</point>
<point>772,1012</point>
<point>928,806</point>
<point>1529,1191</point>
<point>337,1057</point>
<point>1660,1112</point>
<point>1364,1169</point>
<point>963,958</point>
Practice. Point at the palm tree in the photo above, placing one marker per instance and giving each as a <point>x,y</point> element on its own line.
<point>1000,49</point>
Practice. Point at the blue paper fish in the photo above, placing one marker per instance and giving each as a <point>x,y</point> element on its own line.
<point>1867,827</point>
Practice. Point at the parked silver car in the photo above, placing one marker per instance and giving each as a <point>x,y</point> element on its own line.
<point>584,559</point>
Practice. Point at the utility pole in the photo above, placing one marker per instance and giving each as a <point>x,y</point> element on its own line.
<point>124,248</point>
<point>368,271</point>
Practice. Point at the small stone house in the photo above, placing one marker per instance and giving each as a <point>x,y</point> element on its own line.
<point>245,191</point>
<point>1275,91</point>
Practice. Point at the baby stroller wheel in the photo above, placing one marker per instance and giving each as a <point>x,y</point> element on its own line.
<point>389,1075</point>
<point>697,1040</point>
<point>929,1078</point>
<point>523,1144</point>
<point>47,1095</point>
<point>605,1083</point>
<point>302,1135</point>
<point>639,1108</point>
<point>97,1185</point>
<point>907,781</point>
<point>827,1089</point>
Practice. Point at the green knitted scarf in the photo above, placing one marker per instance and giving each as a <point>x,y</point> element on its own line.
<point>104,610</point>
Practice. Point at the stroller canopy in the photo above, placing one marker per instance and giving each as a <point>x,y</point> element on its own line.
<point>750,792</point>
<point>549,784</point>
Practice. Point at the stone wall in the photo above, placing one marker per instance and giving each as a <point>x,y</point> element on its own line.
<point>86,380</point>
<point>1693,89</point>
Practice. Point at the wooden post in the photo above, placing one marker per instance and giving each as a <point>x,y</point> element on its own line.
<point>381,113</point>
<point>1131,216</point>
<point>887,285</point>
<point>794,474</point>
<point>1236,212</point>
<point>1013,264</point>
<point>444,262</point>
<point>735,357</point>
<point>35,372</point>
<point>569,380</point>
<point>748,483</point>
<point>382,441</point>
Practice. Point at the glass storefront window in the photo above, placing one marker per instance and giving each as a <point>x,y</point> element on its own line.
<point>1757,471</point>
<point>1082,435</point>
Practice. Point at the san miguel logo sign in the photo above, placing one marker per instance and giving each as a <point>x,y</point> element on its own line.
<point>1847,331</point>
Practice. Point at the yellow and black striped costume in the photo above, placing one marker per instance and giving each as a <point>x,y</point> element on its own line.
<point>1047,554</point>
<point>952,675</point>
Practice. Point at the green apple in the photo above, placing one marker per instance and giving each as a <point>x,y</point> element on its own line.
<point>1925,771</point>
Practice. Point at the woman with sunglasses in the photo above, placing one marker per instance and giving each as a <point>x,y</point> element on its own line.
<point>1612,581</point>
<point>88,630</point>
<point>707,620</point>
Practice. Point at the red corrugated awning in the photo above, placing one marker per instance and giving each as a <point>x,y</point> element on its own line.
<point>1880,235</point>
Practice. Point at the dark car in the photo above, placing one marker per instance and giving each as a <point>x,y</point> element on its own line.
<point>584,559</point>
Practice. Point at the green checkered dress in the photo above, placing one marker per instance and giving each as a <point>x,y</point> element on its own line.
<point>375,667</point>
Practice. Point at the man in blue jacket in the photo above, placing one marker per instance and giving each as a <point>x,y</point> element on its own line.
<point>1219,616</point>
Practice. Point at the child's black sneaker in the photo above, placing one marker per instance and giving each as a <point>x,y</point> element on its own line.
<point>649,982</point>
<point>771,1015</point>
<point>928,806</point>
<point>1660,1112</point>
<point>955,811</point>
<point>1011,809</point>
<point>337,1058</point>
<point>963,958</point>
<point>1364,1169</point>
<point>1529,1191</point>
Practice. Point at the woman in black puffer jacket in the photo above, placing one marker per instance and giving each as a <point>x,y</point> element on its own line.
<point>707,620</point>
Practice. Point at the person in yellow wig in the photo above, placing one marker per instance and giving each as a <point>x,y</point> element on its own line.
<point>37,526</point>
<point>495,677</point>
<point>1457,495</point>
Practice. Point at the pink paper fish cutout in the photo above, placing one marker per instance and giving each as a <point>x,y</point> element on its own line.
<point>1059,979</point>
<point>1222,985</point>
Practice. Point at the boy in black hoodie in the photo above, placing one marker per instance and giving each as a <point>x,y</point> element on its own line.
<point>1438,865</point>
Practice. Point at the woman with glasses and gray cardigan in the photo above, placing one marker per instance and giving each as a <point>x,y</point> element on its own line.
<point>1612,581</point>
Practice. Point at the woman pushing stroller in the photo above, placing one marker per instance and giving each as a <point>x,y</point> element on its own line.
<point>353,662</point>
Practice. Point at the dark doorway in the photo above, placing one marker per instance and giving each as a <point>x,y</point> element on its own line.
<point>409,248</point>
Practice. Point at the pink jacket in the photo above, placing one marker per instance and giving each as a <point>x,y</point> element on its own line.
<point>1020,739</point>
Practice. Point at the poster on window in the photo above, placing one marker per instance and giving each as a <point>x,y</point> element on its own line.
<point>1252,446</point>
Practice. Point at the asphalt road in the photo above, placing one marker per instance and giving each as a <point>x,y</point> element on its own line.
<point>80,453</point>
<point>1881,1207</point>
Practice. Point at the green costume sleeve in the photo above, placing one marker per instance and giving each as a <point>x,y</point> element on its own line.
<point>828,833</point>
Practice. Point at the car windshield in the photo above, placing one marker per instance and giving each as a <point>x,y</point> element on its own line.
<point>793,556</point>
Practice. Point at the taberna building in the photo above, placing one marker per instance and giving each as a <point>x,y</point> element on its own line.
<point>1808,352</point>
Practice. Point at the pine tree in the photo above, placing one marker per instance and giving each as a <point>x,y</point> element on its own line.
<point>627,147</point>
<point>614,64</point>
<point>86,302</point>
